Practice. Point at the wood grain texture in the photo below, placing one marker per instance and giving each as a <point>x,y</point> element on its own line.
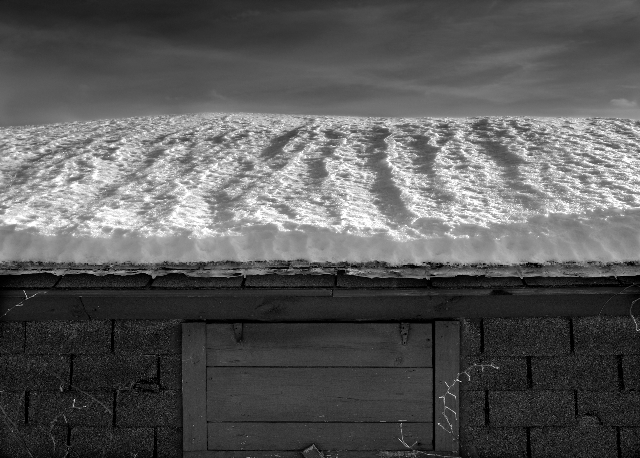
<point>335,292</point>
<point>340,436</point>
<point>41,305</point>
<point>319,394</point>
<point>194,372</point>
<point>275,306</point>
<point>319,344</point>
<point>312,452</point>
<point>327,454</point>
<point>447,368</point>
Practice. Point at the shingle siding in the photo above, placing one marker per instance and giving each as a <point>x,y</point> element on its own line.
<point>353,281</point>
<point>565,386</point>
<point>78,337</point>
<point>526,336</point>
<point>575,372</point>
<point>41,440</point>
<point>113,442</point>
<point>551,282</point>
<point>182,281</point>
<point>88,281</point>
<point>470,336</point>
<point>631,371</point>
<point>619,408</point>
<point>629,442</point>
<point>92,399</point>
<point>494,442</point>
<point>171,372</point>
<point>581,390</point>
<point>169,442</point>
<point>628,280</point>
<point>43,372</point>
<point>472,407</point>
<point>577,441</point>
<point>531,408</point>
<point>138,409</point>
<point>511,375</point>
<point>147,336</point>
<point>289,281</point>
<point>13,403</point>
<point>468,281</point>
<point>29,281</point>
<point>11,337</point>
<point>113,371</point>
<point>92,408</point>
<point>607,335</point>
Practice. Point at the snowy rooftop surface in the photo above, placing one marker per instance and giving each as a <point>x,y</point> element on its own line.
<point>252,187</point>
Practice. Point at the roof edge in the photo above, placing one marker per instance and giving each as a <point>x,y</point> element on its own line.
<point>302,267</point>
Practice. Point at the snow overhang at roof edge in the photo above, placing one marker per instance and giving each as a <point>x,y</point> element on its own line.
<point>370,269</point>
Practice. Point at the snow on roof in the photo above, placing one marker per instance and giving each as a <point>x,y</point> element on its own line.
<point>254,187</point>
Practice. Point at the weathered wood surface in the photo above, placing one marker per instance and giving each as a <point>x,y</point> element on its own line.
<point>319,394</point>
<point>521,291</point>
<point>327,454</point>
<point>319,344</point>
<point>297,436</point>
<point>312,452</point>
<point>194,372</point>
<point>277,306</point>
<point>43,306</point>
<point>447,369</point>
<point>326,292</point>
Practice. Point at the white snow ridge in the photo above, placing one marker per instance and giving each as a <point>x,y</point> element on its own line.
<point>248,187</point>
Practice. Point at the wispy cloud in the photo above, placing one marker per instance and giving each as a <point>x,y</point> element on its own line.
<point>624,103</point>
<point>215,95</point>
<point>407,57</point>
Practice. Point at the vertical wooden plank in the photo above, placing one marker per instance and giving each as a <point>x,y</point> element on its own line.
<point>446,390</point>
<point>194,387</point>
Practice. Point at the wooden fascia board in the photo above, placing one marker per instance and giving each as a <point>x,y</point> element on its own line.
<point>312,305</point>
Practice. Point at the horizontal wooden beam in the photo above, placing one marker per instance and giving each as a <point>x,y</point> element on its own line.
<point>314,394</point>
<point>324,344</point>
<point>325,292</point>
<point>362,436</point>
<point>312,305</point>
<point>326,453</point>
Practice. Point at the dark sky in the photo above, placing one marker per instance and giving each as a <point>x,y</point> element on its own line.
<point>68,60</point>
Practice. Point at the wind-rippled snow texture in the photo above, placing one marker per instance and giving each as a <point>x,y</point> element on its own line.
<point>246,187</point>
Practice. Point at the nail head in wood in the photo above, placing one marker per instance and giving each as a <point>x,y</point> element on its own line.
<point>237,332</point>
<point>404,332</point>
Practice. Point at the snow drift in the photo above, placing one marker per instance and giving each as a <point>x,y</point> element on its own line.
<point>243,187</point>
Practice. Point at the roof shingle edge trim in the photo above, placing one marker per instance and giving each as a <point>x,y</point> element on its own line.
<point>368,270</point>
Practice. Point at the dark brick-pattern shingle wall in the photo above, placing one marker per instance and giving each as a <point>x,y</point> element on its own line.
<point>566,386</point>
<point>87,386</point>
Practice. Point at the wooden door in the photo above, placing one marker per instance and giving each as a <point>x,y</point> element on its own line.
<point>352,389</point>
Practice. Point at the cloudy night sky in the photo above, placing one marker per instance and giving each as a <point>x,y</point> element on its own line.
<point>80,60</point>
